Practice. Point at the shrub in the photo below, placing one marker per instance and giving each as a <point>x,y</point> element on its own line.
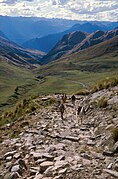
<point>32,108</point>
<point>51,101</point>
<point>115,134</point>
<point>103,102</point>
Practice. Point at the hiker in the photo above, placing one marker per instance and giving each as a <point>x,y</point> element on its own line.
<point>64,97</point>
<point>62,109</point>
<point>58,100</point>
<point>80,112</point>
<point>73,98</point>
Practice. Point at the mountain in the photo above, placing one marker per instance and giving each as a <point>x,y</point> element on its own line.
<point>47,42</point>
<point>17,55</point>
<point>89,40</point>
<point>95,38</point>
<point>21,29</point>
<point>84,66</point>
<point>3,35</point>
<point>68,42</point>
<point>16,65</point>
<point>88,27</point>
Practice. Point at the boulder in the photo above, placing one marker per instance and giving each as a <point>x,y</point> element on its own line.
<point>17,169</point>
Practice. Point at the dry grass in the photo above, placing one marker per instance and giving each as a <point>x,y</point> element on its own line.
<point>115,134</point>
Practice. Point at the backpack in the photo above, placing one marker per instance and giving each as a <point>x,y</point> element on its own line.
<point>73,98</point>
<point>62,108</point>
<point>79,109</point>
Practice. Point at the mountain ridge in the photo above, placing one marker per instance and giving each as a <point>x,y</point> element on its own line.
<point>18,55</point>
<point>46,43</point>
<point>90,40</point>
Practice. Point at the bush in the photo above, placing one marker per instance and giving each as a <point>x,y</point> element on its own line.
<point>115,134</point>
<point>103,102</point>
<point>51,101</point>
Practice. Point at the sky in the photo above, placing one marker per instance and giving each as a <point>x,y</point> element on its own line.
<point>101,10</point>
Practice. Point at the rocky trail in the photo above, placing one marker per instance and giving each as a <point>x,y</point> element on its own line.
<point>48,147</point>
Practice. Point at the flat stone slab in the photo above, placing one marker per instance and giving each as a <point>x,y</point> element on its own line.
<point>45,165</point>
<point>8,154</point>
<point>111,172</point>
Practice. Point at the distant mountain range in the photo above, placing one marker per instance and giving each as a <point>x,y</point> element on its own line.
<point>3,35</point>
<point>70,43</point>
<point>17,55</point>
<point>77,41</point>
<point>75,38</point>
<point>47,42</point>
<point>21,29</point>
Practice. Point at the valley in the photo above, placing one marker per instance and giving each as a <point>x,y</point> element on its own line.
<point>24,76</point>
<point>40,60</point>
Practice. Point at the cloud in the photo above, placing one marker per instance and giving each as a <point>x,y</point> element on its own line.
<point>11,2</point>
<point>70,9</point>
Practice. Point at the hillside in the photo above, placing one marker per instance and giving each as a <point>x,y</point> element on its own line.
<point>95,38</point>
<point>87,66</point>
<point>62,48</point>
<point>64,75</point>
<point>15,81</point>
<point>68,42</point>
<point>16,77</point>
<point>19,55</point>
<point>42,145</point>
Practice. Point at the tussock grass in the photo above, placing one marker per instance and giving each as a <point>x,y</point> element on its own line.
<point>102,103</point>
<point>21,108</point>
<point>115,134</point>
<point>106,83</point>
<point>24,107</point>
<point>83,92</point>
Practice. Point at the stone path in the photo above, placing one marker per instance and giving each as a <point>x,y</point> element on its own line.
<point>49,148</point>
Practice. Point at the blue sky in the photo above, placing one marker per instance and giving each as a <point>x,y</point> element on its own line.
<point>69,9</point>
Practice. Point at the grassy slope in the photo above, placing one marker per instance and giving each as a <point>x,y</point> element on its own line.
<point>87,66</point>
<point>65,75</point>
<point>12,76</point>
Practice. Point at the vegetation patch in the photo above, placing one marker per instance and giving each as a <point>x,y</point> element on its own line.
<point>115,134</point>
<point>21,108</point>
<point>106,83</point>
<point>103,102</point>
